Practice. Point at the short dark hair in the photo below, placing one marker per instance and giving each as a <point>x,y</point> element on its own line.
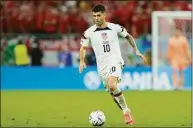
<point>98,8</point>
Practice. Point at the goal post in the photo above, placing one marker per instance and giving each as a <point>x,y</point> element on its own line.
<point>163,26</point>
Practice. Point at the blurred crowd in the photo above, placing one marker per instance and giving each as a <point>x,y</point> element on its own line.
<point>48,16</point>
<point>74,17</point>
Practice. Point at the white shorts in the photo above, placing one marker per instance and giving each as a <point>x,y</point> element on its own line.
<point>113,69</point>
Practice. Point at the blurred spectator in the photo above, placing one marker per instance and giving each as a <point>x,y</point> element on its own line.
<point>71,3</point>
<point>39,17</point>
<point>11,14</point>
<point>123,14</point>
<point>166,6</point>
<point>51,20</point>
<point>84,11</point>
<point>21,54</point>
<point>8,51</point>
<point>45,17</point>
<point>36,54</point>
<point>2,50</point>
<point>3,23</point>
<point>80,24</point>
<point>64,20</point>
<point>26,16</point>
<point>64,56</point>
<point>137,21</point>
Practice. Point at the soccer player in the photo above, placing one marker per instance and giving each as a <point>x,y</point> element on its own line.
<point>103,38</point>
<point>179,57</point>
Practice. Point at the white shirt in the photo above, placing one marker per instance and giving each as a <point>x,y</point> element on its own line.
<point>105,43</point>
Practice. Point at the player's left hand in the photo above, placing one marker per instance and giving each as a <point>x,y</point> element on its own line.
<point>140,55</point>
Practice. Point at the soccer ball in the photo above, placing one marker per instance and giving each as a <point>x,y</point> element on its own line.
<point>97,118</point>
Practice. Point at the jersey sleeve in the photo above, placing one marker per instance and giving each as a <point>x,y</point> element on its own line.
<point>85,39</point>
<point>121,31</point>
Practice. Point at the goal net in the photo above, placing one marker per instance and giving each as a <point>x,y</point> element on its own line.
<point>163,25</point>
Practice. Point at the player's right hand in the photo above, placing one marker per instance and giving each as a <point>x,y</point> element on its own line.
<point>82,65</point>
<point>140,55</point>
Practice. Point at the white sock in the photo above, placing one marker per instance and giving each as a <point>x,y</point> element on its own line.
<point>121,100</point>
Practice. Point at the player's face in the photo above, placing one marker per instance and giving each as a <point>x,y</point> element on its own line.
<point>99,18</point>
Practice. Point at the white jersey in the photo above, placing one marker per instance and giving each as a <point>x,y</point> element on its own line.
<point>105,43</point>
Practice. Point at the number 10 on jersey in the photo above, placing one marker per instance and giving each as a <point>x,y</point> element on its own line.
<point>106,48</point>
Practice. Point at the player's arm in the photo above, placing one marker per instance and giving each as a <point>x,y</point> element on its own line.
<point>187,50</point>
<point>169,56</point>
<point>133,44</point>
<point>82,53</point>
<point>85,42</point>
<point>123,32</point>
<point>82,64</point>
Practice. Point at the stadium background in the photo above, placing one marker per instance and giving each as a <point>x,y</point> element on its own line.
<point>57,26</point>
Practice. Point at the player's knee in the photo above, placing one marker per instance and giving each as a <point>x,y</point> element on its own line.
<point>112,83</point>
<point>112,87</point>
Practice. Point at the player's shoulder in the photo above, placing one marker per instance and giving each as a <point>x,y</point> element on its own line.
<point>183,37</point>
<point>116,27</point>
<point>172,38</point>
<point>113,25</point>
<point>91,29</point>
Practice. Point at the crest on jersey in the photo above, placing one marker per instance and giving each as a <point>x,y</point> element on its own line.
<point>104,35</point>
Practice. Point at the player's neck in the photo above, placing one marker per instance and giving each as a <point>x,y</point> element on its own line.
<point>104,25</point>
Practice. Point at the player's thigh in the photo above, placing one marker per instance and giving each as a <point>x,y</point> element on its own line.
<point>112,81</point>
<point>183,65</point>
<point>175,66</point>
<point>178,66</point>
<point>114,74</point>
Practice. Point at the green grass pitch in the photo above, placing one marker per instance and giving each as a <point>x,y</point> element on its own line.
<point>72,108</point>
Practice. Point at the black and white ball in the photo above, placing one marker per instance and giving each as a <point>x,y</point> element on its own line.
<point>97,118</point>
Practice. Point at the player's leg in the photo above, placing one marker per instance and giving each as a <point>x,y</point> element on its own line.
<point>117,103</point>
<point>175,78</point>
<point>118,95</point>
<point>175,75</point>
<point>104,80</point>
<point>181,81</point>
<point>112,79</point>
